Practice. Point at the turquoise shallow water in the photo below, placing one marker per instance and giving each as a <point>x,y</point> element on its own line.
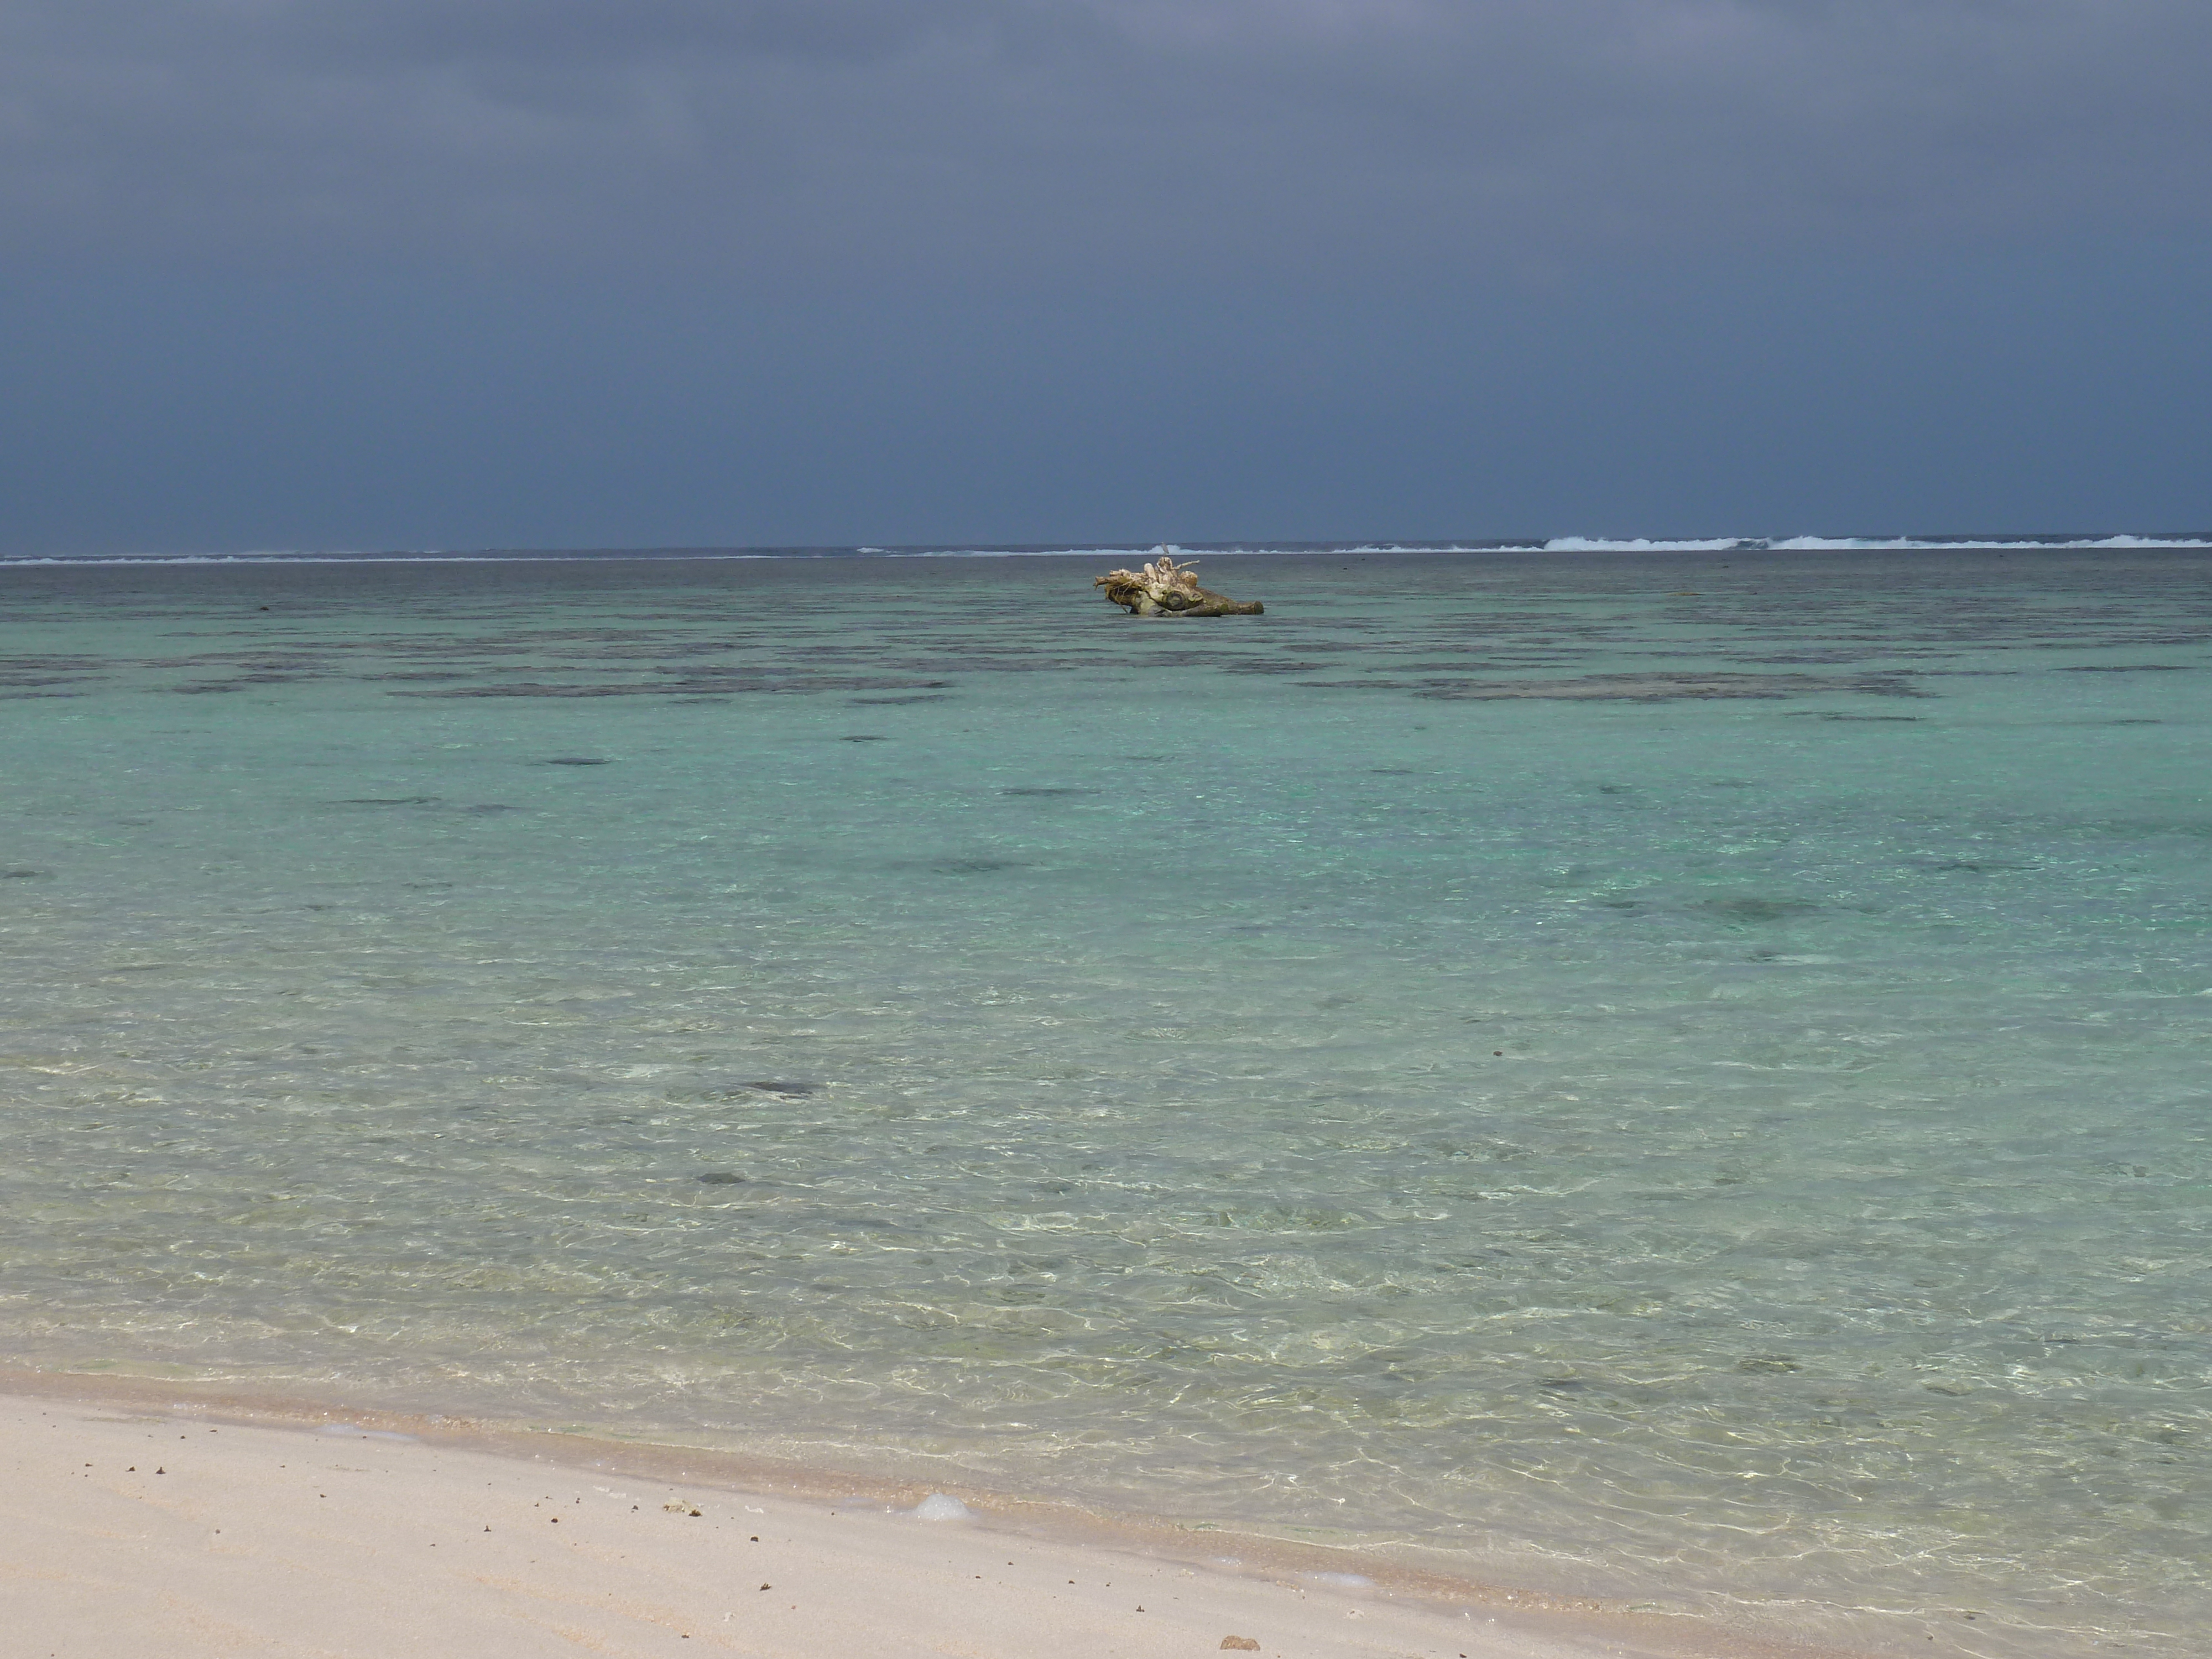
<point>1678,1076</point>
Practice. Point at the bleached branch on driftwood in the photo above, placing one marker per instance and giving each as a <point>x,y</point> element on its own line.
<point>1164,588</point>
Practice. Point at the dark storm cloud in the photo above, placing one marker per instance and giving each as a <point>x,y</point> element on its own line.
<point>962,133</point>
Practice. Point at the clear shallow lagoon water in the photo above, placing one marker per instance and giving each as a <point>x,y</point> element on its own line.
<point>1679,1076</point>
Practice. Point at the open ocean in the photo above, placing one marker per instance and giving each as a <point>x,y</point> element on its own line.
<point>1677,1074</point>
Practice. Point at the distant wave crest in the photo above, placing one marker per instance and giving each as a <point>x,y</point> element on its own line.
<point>1857,543</point>
<point>1748,544</point>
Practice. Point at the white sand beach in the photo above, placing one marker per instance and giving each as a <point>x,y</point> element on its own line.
<point>141,1522</point>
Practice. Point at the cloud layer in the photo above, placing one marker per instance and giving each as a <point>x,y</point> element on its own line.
<point>1108,133</point>
<point>454,272</point>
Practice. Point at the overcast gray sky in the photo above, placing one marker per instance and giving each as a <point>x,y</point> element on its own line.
<point>552,272</point>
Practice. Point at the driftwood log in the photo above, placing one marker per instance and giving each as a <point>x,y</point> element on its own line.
<point>1164,588</point>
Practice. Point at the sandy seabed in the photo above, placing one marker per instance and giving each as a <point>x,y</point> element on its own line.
<point>151,1518</point>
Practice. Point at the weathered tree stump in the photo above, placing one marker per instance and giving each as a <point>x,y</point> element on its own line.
<point>1164,588</point>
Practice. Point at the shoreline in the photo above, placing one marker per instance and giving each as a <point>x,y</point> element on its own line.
<point>853,1536</point>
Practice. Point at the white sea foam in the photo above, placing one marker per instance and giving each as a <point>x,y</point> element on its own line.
<point>941,1506</point>
<point>1905,543</point>
<point>1858,544</point>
